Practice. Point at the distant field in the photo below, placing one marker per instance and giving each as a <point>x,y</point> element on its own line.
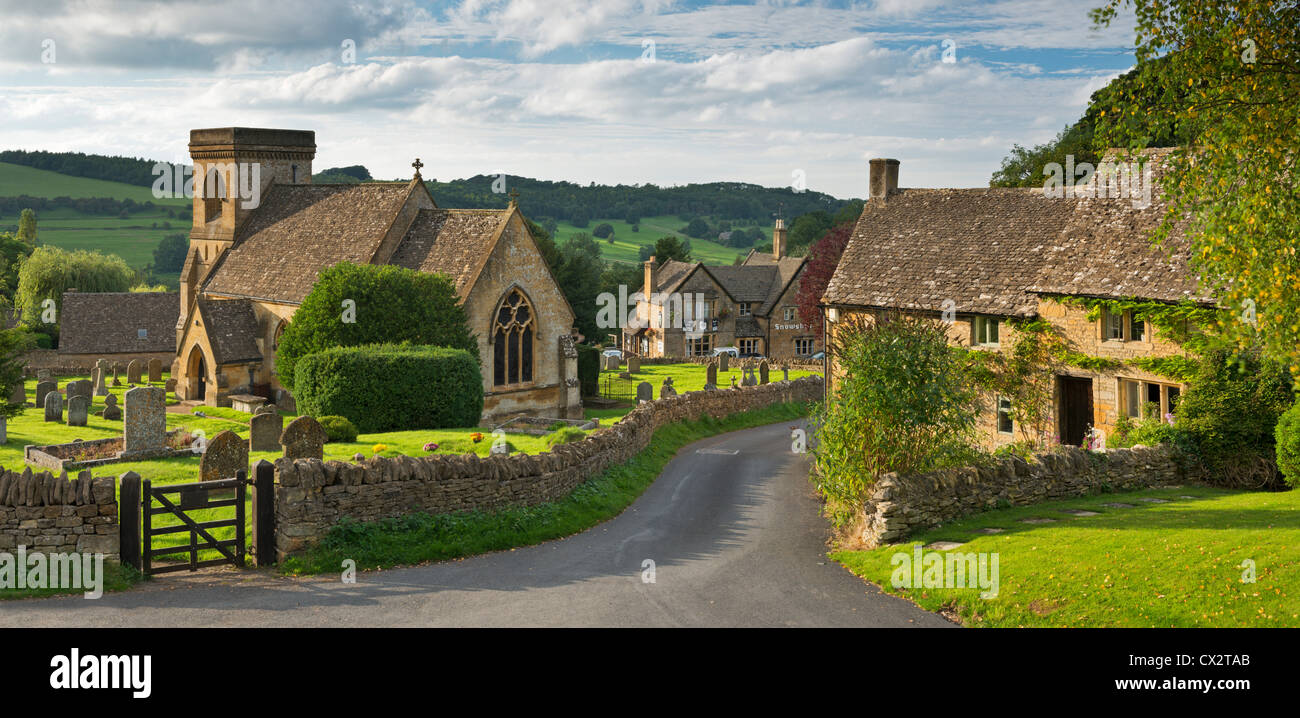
<point>627,243</point>
<point>18,180</point>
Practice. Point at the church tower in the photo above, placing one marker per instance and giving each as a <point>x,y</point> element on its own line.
<point>234,168</point>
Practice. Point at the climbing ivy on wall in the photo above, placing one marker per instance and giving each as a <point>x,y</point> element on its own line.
<point>1184,323</point>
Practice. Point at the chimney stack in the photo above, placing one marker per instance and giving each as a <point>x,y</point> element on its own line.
<point>651,286</point>
<point>884,178</point>
<point>778,239</point>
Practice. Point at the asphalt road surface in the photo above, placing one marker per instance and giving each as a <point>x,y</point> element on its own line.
<point>731,525</point>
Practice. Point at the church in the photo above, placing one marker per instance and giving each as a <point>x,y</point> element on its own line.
<point>261,237</point>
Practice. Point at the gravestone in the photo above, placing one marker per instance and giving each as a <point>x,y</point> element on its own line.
<point>155,370</point>
<point>44,387</point>
<point>133,372</point>
<point>19,394</point>
<point>711,374</point>
<point>763,372</point>
<point>633,364</point>
<point>724,361</point>
<point>101,378</point>
<point>224,455</point>
<point>116,381</point>
<point>667,390</point>
<point>112,411</point>
<point>264,431</point>
<point>785,373</point>
<point>733,383</point>
<point>44,375</point>
<point>81,387</point>
<point>749,379</point>
<point>169,386</point>
<point>303,438</point>
<point>644,392</point>
<point>4,430</point>
<point>53,406</point>
<point>145,427</point>
<point>78,409</point>
<point>267,409</point>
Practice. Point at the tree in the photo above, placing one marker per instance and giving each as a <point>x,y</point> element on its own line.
<point>169,255</point>
<point>580,218</point>
<point>823,258</point>
<point>807,229</point>
<point>1224,75</point>
<point>579,278</point>
<point>27,227</point>
<point>12,253</point>
<point>13,343</point>
<point>356,304</point>
<point>603,230</point>
<point>901,403</point>
<point>50,271</point>
<point>545,242</point>
<point>696,228</point>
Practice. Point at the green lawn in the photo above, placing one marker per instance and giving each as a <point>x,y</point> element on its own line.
<point>1154,565</point>
<point>686,377</point>
<point>627,244</point>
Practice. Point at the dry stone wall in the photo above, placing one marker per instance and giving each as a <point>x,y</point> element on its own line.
<point>902,505</point>
<point>54,514</point>
<point>312,495</point>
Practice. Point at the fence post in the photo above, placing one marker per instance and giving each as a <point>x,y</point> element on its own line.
<point>264,512</point>
<point>128,507</point>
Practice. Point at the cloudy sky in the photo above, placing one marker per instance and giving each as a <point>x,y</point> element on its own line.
<point>606,91</point>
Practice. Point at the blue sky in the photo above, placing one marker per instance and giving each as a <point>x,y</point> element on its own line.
<point>760,92</point>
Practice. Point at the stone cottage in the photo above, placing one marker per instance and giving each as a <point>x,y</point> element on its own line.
<point>982,259</point>
<point>117,326</point>
<point>250,265</point>
<point>750,306</point>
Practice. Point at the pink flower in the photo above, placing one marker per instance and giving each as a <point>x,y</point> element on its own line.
<point>430,446</point>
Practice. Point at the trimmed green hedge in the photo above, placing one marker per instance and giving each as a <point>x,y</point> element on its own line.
<point>1288,445</point>
<point>339,429</point>
<point>387,387</point>
<point>589,369</point>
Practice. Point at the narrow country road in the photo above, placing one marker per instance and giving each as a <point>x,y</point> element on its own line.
<point>731,525</point>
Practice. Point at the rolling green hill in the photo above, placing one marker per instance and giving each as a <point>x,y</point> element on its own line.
<point>17,180</point>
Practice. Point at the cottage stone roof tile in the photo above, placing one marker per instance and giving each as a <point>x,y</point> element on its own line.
<point>112,323</point>
<point>232,328</point>
<point>450,242</point>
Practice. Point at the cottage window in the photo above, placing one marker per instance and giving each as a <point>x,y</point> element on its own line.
<point>748,346</point>
<point>1137,328</point>
<point>985,331</point>
<point>1112,326</point>
<point>1139,398</point>
<point>744,309</point>
<point>1005,424</point>
<point>803,346</point>
<point>700,346</point>
<point>512,337</point>
<point>789,314</point>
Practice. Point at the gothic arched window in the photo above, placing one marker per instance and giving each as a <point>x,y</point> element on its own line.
<point>513,331</point>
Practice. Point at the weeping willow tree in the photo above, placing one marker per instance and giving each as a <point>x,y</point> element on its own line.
<point>51,271</point>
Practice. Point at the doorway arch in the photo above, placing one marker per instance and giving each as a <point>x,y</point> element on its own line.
<point>196,374</point>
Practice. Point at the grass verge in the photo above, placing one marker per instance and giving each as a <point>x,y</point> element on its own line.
<point>1182,562</point>
<point>422,537</point>
<point>116,578</point>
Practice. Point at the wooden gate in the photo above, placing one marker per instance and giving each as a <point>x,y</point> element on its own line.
<point>190,498</point>
<point>141,501</point>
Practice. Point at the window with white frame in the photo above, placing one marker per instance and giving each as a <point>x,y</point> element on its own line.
<point>743,309</point>
<point>803,346</point>
<point>790,313</point>
<point>1139,399</point>
<point>1005,424</point>
<point>1123,327</point>
<point>984,331</point>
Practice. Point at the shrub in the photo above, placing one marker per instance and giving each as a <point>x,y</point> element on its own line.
<point>589,369</point>
<point>1287,435</point>
<point>385,387</point>
<point>901,403</point>
<point>389,305</point>
<point>1231,412</point>
<point>339,429</point>
<point>565,435</point>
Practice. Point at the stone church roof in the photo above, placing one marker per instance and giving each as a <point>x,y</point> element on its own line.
<point>301,229</point>
<point>449,241</point>
<point>232,329</point>
<point>118,322</point>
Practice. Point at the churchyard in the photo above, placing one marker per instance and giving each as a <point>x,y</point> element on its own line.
<point>685,377</point>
